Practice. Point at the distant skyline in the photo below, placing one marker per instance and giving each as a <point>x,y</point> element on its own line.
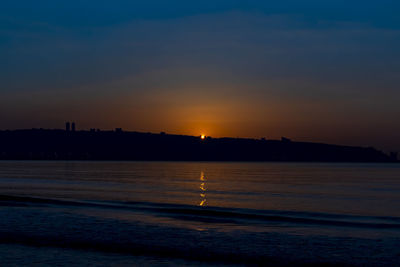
<point>321,71</point>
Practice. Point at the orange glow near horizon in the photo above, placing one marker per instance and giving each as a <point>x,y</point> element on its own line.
<point>203,137</point>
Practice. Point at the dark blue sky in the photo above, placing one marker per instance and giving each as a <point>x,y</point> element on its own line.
<point>311,70</point>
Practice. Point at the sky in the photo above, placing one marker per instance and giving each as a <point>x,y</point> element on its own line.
<point>323,71</point>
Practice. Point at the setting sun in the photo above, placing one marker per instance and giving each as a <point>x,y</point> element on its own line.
<point>203,137</point>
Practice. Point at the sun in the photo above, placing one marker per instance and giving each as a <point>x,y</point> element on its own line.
<point>202,137</point>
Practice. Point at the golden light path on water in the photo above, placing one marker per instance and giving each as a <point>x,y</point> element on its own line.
<point>203,189</point>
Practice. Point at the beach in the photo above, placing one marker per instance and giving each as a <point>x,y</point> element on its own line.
<point>199,213</point>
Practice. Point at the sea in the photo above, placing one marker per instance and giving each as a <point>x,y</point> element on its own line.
<point>74,213</point>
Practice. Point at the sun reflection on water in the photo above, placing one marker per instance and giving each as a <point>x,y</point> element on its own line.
<point>203,189</point>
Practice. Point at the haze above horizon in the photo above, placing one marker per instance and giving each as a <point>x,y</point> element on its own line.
<point>313,71</point>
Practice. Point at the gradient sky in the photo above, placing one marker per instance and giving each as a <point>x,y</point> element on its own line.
<point>325,71</point>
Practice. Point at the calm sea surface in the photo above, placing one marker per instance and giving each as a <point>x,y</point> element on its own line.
<point>189,213</point>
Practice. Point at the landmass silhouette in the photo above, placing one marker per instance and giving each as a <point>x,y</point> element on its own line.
<point>95,144</point>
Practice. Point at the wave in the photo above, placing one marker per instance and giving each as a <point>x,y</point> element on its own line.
<point>216,214</point>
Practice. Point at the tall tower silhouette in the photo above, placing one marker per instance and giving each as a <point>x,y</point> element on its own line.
<point>73,127</point>
<point>67,126</point>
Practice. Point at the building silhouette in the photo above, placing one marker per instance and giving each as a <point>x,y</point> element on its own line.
<point>95,144</point>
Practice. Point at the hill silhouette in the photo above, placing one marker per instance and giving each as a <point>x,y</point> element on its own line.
<point>42,144</point>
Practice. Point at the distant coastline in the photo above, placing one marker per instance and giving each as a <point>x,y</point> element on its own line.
<point>69,144</point>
